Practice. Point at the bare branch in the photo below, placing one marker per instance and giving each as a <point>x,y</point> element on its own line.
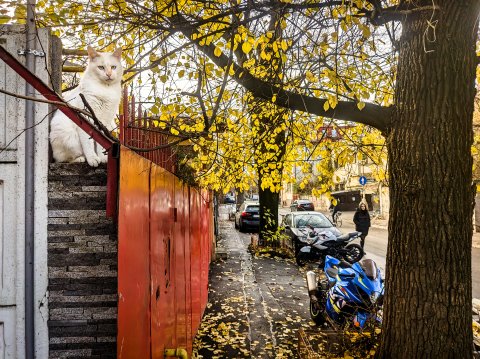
<point>96,121</point>
<point>36,99</point>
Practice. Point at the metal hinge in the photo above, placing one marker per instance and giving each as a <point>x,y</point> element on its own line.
<point>24,52</point>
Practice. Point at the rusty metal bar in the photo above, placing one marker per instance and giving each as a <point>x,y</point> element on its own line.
<point>112,180</point>
<point>73,68</point>
<point>51,95</point>
<point>74,52</point>
<point>136,131</point>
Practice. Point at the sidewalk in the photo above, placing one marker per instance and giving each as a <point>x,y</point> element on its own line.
<point>256,304</point>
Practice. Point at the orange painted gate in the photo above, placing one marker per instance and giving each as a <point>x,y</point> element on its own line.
<point>165,236</point>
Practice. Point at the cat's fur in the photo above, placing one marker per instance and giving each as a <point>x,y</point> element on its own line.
<point>101,86</point>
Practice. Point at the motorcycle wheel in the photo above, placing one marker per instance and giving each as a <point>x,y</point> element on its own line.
<point>316,313</point>
<point>300,259</point>
<point>353,253</point>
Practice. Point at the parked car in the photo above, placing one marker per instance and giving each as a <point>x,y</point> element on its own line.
<point>229,198</point>
<point>302,205</point>
<point>296,227</point>
<point>248,216</point>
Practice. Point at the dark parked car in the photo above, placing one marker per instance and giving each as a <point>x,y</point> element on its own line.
<point>302,205</point>
<point>247,216</point>
<point>229,199</point>
<point>296,227</point>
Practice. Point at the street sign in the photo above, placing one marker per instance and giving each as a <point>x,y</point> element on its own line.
<point>363,180</point>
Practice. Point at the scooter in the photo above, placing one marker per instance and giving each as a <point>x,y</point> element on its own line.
<point>349,296</point>
<point>318,245</point>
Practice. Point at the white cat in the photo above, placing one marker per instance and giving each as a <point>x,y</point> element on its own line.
<point>100,84</point>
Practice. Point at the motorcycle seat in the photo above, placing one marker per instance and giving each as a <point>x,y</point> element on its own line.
<point>343,237</point>
<point>347,236</point>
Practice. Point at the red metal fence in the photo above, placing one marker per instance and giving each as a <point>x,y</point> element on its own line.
<point>165,236</point>
<point>143,134</point>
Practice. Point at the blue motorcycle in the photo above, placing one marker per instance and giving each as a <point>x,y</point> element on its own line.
<point>350,295</point>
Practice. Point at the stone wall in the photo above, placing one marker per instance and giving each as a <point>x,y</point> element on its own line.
<point>82,264</point>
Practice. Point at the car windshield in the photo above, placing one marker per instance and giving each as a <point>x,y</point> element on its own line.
<point>252,208</point>
<point>314,220</point>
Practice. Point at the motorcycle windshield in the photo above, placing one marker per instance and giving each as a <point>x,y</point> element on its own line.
<point>369,268</point>
<point>369,288</point>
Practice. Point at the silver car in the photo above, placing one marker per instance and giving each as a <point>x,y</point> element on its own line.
<point>296,226</point>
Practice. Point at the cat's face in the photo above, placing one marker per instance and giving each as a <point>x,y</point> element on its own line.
<point>106,66</point>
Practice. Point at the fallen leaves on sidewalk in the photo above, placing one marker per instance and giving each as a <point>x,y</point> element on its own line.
<point>476,334</point>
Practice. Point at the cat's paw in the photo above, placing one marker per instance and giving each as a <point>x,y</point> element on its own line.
<point>93,161</point>
<point>103,157</point>
<point>79,159</point>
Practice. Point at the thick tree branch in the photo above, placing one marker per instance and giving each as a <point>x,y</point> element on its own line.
<point>372,115</point>
<point>381,16</point>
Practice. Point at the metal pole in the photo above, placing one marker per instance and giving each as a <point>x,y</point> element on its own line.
<point>30,189</point>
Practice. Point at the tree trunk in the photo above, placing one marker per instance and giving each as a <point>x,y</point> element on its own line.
<point>268,215</point>
<point>427,312</point>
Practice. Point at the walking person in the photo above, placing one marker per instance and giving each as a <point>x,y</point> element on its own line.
<point>361,218</point>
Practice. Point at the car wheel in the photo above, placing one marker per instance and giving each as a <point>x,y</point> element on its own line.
<point>240,226</point>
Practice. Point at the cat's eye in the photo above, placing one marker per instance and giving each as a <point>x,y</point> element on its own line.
<point>114,67</point>
<point>101,67</point>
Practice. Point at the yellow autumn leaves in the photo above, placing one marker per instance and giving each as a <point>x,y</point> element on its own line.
<point>233,141</point>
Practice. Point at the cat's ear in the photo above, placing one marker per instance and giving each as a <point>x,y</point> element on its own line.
<point>92,53</point>
<point>118,53</point>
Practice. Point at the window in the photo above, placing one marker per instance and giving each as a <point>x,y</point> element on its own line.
<point>252,208</point>
<point>314,220</point>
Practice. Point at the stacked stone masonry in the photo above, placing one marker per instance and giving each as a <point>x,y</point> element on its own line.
<point>82,264</point>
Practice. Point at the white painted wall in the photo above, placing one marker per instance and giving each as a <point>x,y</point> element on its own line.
<point>12,203</point>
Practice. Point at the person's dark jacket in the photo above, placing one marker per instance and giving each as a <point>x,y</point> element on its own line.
<point>362,221</point>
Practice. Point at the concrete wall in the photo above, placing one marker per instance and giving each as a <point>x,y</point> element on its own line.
<point>12,200</point>
<point>82,264</point>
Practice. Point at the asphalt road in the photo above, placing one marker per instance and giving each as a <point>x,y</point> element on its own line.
<point>376,249</point>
